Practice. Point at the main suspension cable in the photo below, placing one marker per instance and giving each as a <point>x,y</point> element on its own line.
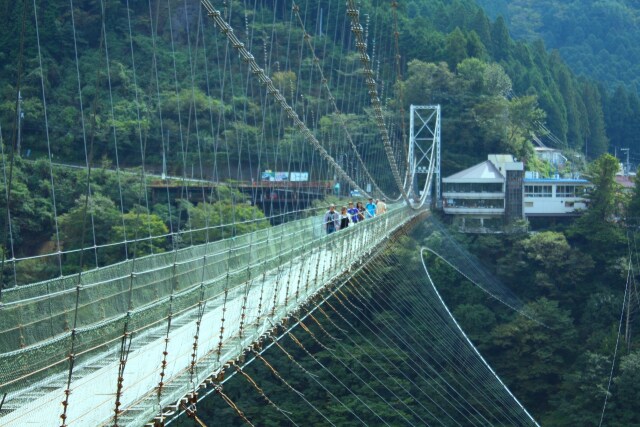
<point>226,29</point>
<point>361,45</point>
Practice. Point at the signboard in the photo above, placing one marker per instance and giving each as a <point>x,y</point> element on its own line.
<point>299,176</point>
<point>270,175</point>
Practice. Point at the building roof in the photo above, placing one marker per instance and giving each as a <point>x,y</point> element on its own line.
<point>482,172</point>
<point>497,159</point>
<point>625,181</point>
<point>505,162</point>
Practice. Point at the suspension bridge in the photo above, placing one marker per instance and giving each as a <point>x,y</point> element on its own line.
<point>133,323</point>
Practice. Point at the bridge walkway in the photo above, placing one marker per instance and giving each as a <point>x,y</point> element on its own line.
<point>207,309</point>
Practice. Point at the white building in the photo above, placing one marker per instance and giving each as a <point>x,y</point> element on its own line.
<point>495,193</point>
<point>487,195</point>
<point>478,190</point>
<point>555,197</point>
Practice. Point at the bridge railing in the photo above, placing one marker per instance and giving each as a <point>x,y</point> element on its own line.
<point>36,321</point>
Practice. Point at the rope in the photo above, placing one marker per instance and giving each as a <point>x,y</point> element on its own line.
<point>451,391</point>
<point>192,414</point>
<point>391,291</point>
<point>386,359</point>
<point>303,369</point>
<point>484,280</point>
<point>398,57</point>
<point>433,328</point>
<point>365,383</point>
<point>299,344</point>
<point>226,29</point>
<point>89,163</point>
<point>281,378</point>
<point>473,347</point>
<point>389,343</point>
<point>338,115</point>
<point>233,405</point>
<point>361,45</point>
<point>615,351</point>
<point>262,393</point>
<point>8,233</point>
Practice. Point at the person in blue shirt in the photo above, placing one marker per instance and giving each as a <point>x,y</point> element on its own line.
<point>353,213</point>
<point>371,208</point>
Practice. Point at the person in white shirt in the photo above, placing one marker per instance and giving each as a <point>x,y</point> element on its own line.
<point>381,207</point>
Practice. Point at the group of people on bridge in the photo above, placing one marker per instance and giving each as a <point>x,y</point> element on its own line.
<point>352,214</point>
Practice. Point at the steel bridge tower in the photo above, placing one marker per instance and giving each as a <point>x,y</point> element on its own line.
<point>424,150</point>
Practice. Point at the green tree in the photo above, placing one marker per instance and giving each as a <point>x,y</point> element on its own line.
<point>89,222</point>
<point>583,391</point>
<point>571,95</point>
<point>141,227</point>
<point>475,47</point>
<point>633,207</point>
<point>524,116</point>
<point>476,320</point>
<point>456,48</point>
<point>627,391</point>
<point>428,81</point>
<point>545,264</point>
<point>596,141</point>
<point>500,38</point>
<point>603,198</point>
<point>544,351</point>
<point>597,228</point>
<point>481,25</point>
<point>30,211</point>
<point>223,219</point>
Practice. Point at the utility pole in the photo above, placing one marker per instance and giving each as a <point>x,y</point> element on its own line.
<point>20,117</point>
<point>626,168</point>
<point>164,164</point>
<point>628,331</point>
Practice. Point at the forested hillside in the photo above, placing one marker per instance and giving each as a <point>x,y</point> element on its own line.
<point>430,31</point>
<point>598,40</point>
<point>164,86</point>
<point>159,82</point>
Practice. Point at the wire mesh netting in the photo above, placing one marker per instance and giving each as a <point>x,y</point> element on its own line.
<point>244,276</point>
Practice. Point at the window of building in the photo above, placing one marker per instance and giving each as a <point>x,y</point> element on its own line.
<point>566,191</point>
<point>459,187</point>
<point>528,204</point>
<point>537,191</point>
<point>475,204</point>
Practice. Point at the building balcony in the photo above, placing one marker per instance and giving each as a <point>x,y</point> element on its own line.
<point>472,195</point>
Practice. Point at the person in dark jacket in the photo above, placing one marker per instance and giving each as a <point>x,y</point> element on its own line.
<point>344,218</point>
<point>361,211</point>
